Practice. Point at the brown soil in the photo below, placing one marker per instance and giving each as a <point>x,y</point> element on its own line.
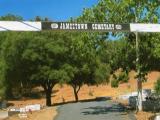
<point>144,116</point>
<point>65,93</point>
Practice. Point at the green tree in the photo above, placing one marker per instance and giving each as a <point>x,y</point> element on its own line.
<point>15,68</point>
<point>2,79</point>
<point>85,66</point>
<point>127,11</point>
<point>3,38</point>
<point>11,17</point>
<point>46,54</point>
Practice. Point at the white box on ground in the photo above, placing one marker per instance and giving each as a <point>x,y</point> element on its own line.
<point>145,93</point>
<point>22,110</point>
<point>35,107</point>
<point>14,110</point>
<point>157,118</point>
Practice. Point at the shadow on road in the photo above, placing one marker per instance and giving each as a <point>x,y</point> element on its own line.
<point>103,110</point>
<point>86,100</point>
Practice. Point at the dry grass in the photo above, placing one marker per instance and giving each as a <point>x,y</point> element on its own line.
<point>66,93</point>
<point>144,116</point>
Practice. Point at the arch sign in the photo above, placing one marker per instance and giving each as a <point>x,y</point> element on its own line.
<point>84,26</point>
<point>72,26</point>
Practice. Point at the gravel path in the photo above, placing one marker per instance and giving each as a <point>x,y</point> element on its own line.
<point>95,110</point>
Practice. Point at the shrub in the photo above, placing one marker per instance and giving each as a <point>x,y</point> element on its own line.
<point>157,86</point>
<point>114,83</point>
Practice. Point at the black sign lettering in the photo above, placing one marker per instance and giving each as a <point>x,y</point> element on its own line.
<point>85,26</point>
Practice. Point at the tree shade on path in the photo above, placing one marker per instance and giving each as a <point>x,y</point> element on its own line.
<point>95,110</point>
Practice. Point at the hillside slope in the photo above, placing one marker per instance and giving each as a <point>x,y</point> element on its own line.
<point>65,93</point>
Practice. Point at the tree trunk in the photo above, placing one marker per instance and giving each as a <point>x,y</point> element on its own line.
<point>8,93</point>
<point>76,90</point>
<point>48,85</point>
<point>48,97</point>
<point>75,94</point>
<point>139,101</point>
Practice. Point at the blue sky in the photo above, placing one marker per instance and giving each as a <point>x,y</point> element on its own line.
<point>56,10</point>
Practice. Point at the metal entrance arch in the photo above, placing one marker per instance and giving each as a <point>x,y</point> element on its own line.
<point>72,26</point>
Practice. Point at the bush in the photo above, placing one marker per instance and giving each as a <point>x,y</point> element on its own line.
<point>157,86</point>
<point>114,83</point>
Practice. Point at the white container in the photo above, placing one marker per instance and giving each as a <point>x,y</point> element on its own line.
<point>157,117</point>
<point>35,107</point>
